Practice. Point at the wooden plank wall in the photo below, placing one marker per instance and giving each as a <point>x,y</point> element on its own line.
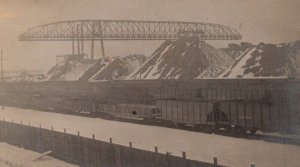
<point>89,152</point>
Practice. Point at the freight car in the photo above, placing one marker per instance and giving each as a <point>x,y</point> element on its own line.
<point>265,105</point>
<point>235,105</point>
<point>228,115</point>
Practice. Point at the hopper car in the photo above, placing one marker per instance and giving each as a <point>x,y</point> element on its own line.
<point>234,105</point>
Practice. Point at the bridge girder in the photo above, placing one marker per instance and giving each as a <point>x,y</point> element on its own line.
<point>127,30</point>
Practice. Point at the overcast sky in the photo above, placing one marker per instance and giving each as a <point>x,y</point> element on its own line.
<point>273,21</point>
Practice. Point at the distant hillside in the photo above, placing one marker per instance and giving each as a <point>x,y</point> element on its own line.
<point>180,59</point>
<point>23,75</point>
<point>75,67</point>
<point>68,71</point>
<point>184,59</point>
<point>120,67</point>
<point>266,60</point>
<point>95,68</point>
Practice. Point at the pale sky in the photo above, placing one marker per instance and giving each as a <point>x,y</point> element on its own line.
<point>273,21</point>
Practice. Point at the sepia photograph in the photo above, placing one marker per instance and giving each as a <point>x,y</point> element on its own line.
<point>149,83</point>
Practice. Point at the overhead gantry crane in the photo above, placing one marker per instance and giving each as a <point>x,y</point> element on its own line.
<point>91,30</point>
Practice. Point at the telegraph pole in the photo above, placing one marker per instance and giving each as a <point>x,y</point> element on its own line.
<point>101,40</point>
<point>92,43</point>
<point>2,79</point>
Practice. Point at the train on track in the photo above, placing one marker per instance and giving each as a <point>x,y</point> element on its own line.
<point>234,105</point>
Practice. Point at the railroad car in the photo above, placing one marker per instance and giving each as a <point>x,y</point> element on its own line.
<point>234,105</point>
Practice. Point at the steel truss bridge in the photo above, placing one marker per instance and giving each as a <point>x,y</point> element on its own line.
<point>90,30</point>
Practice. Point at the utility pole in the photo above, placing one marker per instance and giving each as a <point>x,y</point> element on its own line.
<point>78,39</point>
<point>82,40</point>
<point>140,68</point>
<point>2,79</point>
<point>101,41</point>
<point>73,42</point>
<point>92,43</point>
<point>140,61</point>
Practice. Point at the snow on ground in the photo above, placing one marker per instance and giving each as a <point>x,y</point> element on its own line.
<point>237,59</point>
<point>12,156</point>
<point>76,71</point>
<point>119,68</point>
<point>105,64</point>
<point>184,59</point>
<point>235,152</point>
<point>238,69</point>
